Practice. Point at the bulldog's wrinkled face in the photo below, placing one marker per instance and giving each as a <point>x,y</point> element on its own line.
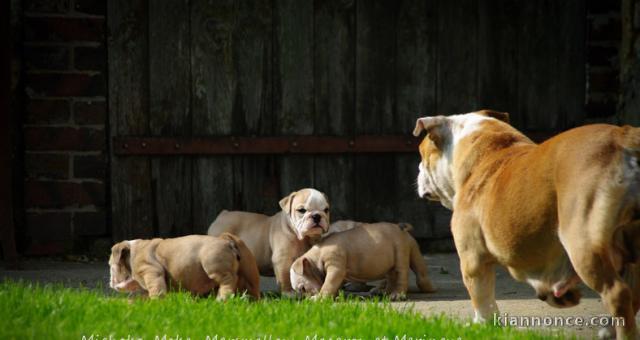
<point>435,180</point>
<point>308,211</point>
<point>120,268</point>
<point>305,277</point>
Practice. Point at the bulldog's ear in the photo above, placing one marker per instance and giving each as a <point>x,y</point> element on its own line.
<point>433,126</point>
<point>285,203</point>
<point>120,251</point>
<point>503,116</point>
<point>310,271</point>
<point>298,266</point>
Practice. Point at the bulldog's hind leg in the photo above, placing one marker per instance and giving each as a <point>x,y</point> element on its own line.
<point>398,281</point>
<point>591,259</point>
<point>227,284</point>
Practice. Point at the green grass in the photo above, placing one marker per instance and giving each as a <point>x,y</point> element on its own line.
<point>53,312</point>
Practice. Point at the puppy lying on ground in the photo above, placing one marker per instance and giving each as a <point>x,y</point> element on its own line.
<point>367,252</point>
<point>279,239</point>
<point>197,263</point>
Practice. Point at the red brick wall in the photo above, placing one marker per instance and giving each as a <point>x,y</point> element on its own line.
<point>64,127</point>
<point>604,29</point>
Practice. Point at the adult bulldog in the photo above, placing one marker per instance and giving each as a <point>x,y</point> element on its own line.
<point>276,241</point>
<point>555,214</point>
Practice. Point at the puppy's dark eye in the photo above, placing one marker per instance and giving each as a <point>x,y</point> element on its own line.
<point>326,211</point>
<point>302,210</point>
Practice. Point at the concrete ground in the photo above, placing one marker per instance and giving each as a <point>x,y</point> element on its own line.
<point>514,298</point>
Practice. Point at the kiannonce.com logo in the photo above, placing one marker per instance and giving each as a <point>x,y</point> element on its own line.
<point>505,319</point>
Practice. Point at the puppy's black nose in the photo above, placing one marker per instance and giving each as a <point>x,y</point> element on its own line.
<point>542,297</point>
<point>316,218</point>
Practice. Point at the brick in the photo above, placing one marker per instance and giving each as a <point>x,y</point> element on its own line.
<point>64,29</point>
<point>47,111</point>
<point>54,166</point>
<point>89,167</point>
<point>49,194</point>
<point>49,226</point>
<point>64,139</point>
<point>66,85</point>
<point>90,58</point>
<point>90,113</point>
<point>603,6</point>
<point>46,58</point>
<point>46,6</point>
<point>607,82</point>
<point>602,56</point>
<point>90,223</point>
<point>610,30</point>
<point>95,7</point>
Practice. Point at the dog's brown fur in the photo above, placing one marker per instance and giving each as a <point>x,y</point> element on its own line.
<point>199,264</point>
<point>365,253</point>
<point>554,214</point>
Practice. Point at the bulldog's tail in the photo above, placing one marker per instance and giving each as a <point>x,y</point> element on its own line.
<point>248,274</point>
<point>419,266</point>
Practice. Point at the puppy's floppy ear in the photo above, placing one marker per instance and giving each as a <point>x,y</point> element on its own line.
<point>120,251</point>
<point>298,266</point>
<point>310,271</point>
<point>435,127</point>
<point>503,116</point>
<point>285,203</point>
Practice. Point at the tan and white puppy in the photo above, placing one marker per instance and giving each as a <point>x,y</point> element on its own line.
<point>279,239</point>
<point>555,214</point>
<point>365,253</point>
<point>199,264</point>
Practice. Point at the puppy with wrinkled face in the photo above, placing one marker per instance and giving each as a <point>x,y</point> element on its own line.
<point>555,214</point>
<point>364,253</point>
<point>199,264</point>
<point>279,239</point>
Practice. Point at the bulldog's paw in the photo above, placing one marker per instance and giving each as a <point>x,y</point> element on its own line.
<point>289,294</point>
<point>397,296</point>
<point>607,333</point>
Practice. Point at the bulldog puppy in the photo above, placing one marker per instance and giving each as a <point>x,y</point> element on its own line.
<point>198,263</point>
<point>555,214</point>
<point>343,225</point>
<point>279,239</point>
<point>366,253</point>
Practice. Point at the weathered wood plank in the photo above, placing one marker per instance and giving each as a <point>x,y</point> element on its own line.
<point>293,85</point>
<point>498,23</point>
<point>457,57</point>
<point>416,97</point>
<point>213,93</point>
<point>570,71</point>
<point>131,199</point>
<point>170,113</point>
<point>256,182</point>
<point>334,70</point>
<point>375,107</point>
<point>537,79</point>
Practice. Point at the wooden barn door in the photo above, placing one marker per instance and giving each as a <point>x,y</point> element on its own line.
<point>232,104</point>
